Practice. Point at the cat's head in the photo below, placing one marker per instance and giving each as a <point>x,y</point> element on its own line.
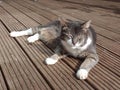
<point>74,30</point>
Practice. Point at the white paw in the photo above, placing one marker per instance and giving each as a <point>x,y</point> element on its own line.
<point>14,34</point>
<point>82,74</point>
<point>50,61</point>
<point>31,40</point>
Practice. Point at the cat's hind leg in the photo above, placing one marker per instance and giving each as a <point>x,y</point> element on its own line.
<point>54,59</point>
<point>33,38</point>
<point>21,33</point>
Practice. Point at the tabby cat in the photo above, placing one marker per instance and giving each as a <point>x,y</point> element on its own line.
<point>66,38</point>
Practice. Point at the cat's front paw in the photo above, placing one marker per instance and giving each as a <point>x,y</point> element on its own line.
<point>50,61</point>
<point>82,74</point>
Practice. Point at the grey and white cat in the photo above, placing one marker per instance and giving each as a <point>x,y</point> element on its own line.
<point>66,38</point>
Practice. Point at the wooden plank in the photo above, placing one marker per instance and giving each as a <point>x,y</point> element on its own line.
<point>8,72</point>
<point>112,36</point>
<point>19,15</point>
<point>101,17</point>
<point>8,77</point>
<point>98,76</point>
<point>24,75</point>
<point>18,26</point>
<point>25,66</point>
<point>28,12</point>
<point>42,12</point>
<point>100,31</point>
<point>108,44</point>
<point>2,82</point>
<point>109,60</point>
<point>6,52</point>
<point>98,19</point>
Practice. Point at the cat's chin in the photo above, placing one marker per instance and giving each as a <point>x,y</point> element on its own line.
<point>50,61</point>
<point>82,74</point>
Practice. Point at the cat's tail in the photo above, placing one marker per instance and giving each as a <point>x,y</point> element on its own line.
<point>21,33</point>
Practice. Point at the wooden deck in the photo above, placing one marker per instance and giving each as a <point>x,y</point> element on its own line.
<point>22,65</point>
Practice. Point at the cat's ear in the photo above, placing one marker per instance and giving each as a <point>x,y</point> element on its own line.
<point>63,21</point>
<point>86,25</point>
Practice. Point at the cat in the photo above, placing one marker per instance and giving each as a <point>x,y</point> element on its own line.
<point>66,38</point>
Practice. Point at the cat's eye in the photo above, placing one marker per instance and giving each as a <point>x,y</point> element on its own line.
<point>80,39</point>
